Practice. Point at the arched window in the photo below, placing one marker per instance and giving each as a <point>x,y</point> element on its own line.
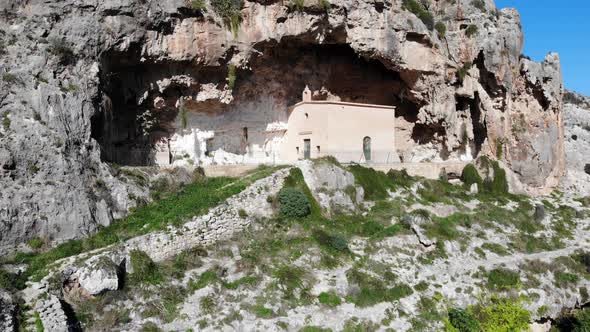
<point>367,148</point>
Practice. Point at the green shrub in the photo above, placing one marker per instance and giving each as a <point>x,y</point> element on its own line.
<point>564,278</point>
<point>38,323</point>
<point>401,178</point>
<point>479,4</point>
<point>36,243</point>
<point>463,320</point>
<point>325,4</point>
<point>441,28</point>
<point>471,30</point>
<point>498,184</point>
<point>231,76</point>
<point>299,5</point>
<point>420,11</point>
<point>9,78</point>
<point>11,281</point>
<point>183,118</point>
<point>470,175</point>
<point>500,315</point>
<point>208,304</point>
<point>262,312</point>
<point>242,213</point>
<point>5,120</point>
<point>503,279</point>
<point>206,278</point>
<point>374,183</point>
<point>198,5</point>
<point>464,70</point>
<point>293,203</point>
<point>578,321</point>
<point>331,242</point>
<point>290,277</point>
<point>330,299</point>
<point>150,327</point>
<point>144,269</point>
<point>373,290</point>
<point>230,11</point>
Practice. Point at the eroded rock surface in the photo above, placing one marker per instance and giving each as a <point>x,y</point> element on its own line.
<point>85,83</point>
<point>577,144</point>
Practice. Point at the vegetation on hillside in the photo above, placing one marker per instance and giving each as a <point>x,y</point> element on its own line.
<point>193,199</point>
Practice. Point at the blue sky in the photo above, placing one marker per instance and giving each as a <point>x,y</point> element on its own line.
<point>558,26</point>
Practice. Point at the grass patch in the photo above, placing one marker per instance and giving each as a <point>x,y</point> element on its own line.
<point>206,278</point>
<point>144,269</point>
<point>262,312</point>
<point>503,279</point>
<point>496,248</point>
<point>471,30</point>
<point>418,9</point>
<point>373,290</point>
<point>329,299</point>
<point>375,184</point>
<point>192,200</point>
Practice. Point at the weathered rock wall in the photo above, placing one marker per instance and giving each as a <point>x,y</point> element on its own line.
<point>576,114</point>
<point>88,81</point>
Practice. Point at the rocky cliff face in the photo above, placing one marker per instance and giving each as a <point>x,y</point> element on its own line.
<point>89,82</point>
<point>576,112</point>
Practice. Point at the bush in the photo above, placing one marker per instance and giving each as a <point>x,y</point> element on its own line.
<point>479,4</point>
<point>578,321</point>
<point>463,71</point>
<point>471,30</point>
<point>441,28</point>
<point>9,78</point>
<point>299,5</point>
<point>230,11</point>
<point>36,243</point>
<point>374,183</point>
<point>198,5</point>
<point>499,184</point>
<point>293,203</point>
<point>231,76</point>
<point>470,175</point>
<point>330,299</point>
<point>420,11</point>
<point>503,279</point>
<point>401,178</point>
<point>144,269</point>
<point>463,320</point>
<point>331,242</point>
<point>325,4</point>
<point>501,314</point>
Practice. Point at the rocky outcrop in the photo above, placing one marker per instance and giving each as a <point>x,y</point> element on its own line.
<point>7,312</point>
<point>333,187</point>
<point>577,144</point>
<point>85,83</point>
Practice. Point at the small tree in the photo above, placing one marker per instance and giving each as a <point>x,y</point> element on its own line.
<point>470,175</point>
<point>293,203</point>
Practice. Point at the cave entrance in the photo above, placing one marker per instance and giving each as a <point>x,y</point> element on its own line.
<point>480,132</point>
<point>140,122</point>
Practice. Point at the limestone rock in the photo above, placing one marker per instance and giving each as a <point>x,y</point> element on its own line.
<point>577,143</point>
<point>7,312</point>
<point>333,187</point>
<point>98,275</point>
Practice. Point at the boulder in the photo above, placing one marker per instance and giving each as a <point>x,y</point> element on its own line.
<point>99,274</point>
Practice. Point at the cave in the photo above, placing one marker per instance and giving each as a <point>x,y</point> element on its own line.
<point>137,114</point>
<point>480,132</point>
